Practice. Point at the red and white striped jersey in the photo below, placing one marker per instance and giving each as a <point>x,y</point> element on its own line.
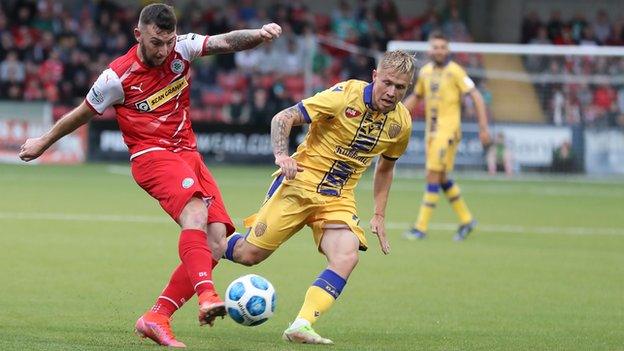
<point>151,103</point>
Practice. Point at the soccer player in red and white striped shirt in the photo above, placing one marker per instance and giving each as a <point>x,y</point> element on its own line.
<point>149,89</point>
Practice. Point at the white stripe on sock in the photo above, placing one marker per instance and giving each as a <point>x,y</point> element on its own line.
<point>202,282</point>
<point>170,300</point>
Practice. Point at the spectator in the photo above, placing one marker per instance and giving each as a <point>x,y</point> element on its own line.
<point>605,105</point>
<point>541,37</point>
<point>33,91</point>
<point>577,25</point>
<point>343,20</point>
<point>563,158</point>
<point>12,70</point>
<point>279,99</point>
<point>530,26</point>
<point>555,24</point>
<point>588,38</point>
<point>292,58</point>
<point>432,24</point>
<point>260,112</point>
<point>369,28</point>
<point>572,111</point>
<point>499,157</point>
<point>387,12</point>
<point>269,59</point>
<point>565,38</point>
<point>601,27</point>
<point>454,27</point>
<point>247,61</point>
<point>558,107</point>
<point>236,111</point>
<point>617,35</point>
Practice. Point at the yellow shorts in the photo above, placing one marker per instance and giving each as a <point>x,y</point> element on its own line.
<point>289,208</point>
<point>441,152</point>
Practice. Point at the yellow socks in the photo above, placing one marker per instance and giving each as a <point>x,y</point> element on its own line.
<point>321,295</point>
<point>453,194</point>
<point>429,203</point>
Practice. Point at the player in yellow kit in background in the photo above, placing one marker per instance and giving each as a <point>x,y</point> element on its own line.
<point>350,124</point>
<point>442,83</point>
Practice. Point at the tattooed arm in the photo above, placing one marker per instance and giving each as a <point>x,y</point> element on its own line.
<point>281,125</point>
<point>243,39</point>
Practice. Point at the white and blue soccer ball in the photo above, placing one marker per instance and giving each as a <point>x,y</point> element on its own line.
<point>250,300</point>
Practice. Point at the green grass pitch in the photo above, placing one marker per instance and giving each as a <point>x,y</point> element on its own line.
<point>84,251</point>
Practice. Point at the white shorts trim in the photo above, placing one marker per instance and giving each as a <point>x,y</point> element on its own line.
<point>136,154</point>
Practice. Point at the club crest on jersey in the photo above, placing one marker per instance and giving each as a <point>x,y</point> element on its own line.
<point>260,229</point>
<point>187,183</point>
<point>177,66</point>
<point>350,112</point>
<point>394,130</point>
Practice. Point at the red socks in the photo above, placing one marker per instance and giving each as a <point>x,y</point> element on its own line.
<point>197,259</point>
<point>195,253</point>
<point>176,293</point>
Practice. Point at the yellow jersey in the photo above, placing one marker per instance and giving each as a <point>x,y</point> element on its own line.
<point>442,89</point>
<point>345,135</point>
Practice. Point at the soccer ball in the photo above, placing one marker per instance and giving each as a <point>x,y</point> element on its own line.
<point>250,300</point>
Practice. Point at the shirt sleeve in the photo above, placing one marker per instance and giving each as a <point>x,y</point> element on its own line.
<point>106,91</point>
<point>464,82</point>
<point>397,149</point>
<point>191,45</point>
<point>419,88</point>
<point>323,104</point>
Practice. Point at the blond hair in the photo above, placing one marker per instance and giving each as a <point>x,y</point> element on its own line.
<point>397,61</point>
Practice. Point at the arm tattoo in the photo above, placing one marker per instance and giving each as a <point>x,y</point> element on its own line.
<point>237,40</point>
<point>280,128</point>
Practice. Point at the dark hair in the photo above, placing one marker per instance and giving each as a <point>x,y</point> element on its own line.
<point>161,15</point>
<point>436,34</point>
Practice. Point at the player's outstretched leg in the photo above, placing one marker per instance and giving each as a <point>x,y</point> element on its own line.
<point>340,245</point>
<point>318,299</point>
<point>196,256</point>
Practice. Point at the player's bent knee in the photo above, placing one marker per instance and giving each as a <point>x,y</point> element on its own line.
<point>194,215</point>
<point>346,261</point>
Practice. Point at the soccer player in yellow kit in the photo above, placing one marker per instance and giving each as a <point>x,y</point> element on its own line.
<point>442,83</point>
<point>350,124</point>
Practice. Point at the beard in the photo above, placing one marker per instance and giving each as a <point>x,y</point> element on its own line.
<point>440,60</point>
<point>146,58</point>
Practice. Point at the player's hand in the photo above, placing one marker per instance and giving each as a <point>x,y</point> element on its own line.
<point>378,227</point>
<point>270,31</point>
<point>32,149</point>
<point>288,166</point>
<point>484,136</point>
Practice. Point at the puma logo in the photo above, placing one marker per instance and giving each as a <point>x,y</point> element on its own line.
<point>137,87</point>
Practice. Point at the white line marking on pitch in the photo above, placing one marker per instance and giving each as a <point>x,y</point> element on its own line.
<point>489,228</point>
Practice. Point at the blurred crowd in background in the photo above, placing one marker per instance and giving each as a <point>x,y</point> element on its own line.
<point>54,53</point>
<point>50,52</point>
<point>598,102</point>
